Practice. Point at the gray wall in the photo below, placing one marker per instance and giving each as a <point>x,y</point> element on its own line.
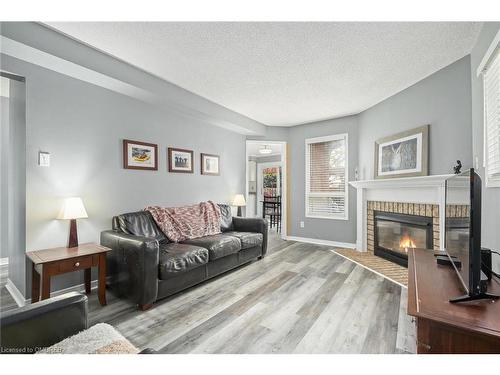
<point>441,100</point>
<point>16,184</point>
<point>491,196</point>
<point>4,143</point>
<point>82,126</point>
<point>325,229</point>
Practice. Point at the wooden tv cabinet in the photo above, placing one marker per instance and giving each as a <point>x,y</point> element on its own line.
<point>444,327</point>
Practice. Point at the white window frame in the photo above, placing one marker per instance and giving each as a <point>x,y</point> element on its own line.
<point>329,138</point>
<point>492,52</point>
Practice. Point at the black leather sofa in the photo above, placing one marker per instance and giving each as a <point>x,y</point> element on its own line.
<point>32,327</point>
<point>145,266</point>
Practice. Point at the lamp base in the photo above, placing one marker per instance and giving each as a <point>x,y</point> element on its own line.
<point>239,211</point>
<point>73,234</point>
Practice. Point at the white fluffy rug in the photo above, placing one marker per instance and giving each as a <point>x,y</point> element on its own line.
<point>99,339</point>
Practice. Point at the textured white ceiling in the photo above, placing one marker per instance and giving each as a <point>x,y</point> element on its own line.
<point>285,74</point>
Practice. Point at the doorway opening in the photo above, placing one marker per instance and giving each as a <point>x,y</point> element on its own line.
<point>266,183</point>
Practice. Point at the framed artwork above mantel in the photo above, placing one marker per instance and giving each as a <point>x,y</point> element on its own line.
<point>404,154</point>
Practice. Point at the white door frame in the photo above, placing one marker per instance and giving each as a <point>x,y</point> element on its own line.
<point>260,169</point>
<point>284,179</point>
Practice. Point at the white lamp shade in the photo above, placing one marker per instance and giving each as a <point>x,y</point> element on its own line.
<point>239,200</point>
<point>73,208</point>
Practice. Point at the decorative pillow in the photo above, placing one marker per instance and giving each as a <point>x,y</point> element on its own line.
<point>226,217</point>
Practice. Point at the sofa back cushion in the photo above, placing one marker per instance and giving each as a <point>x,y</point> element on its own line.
<point>226,222</point>
<point>139,223</point>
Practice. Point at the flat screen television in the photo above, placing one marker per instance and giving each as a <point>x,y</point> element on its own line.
<point>463,234</point>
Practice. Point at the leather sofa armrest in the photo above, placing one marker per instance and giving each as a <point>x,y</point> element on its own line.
<point>133,265</point>
<point>256,225</point>
<point>43,324</point>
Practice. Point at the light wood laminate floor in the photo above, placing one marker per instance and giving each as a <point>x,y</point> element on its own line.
<point>301,298</point>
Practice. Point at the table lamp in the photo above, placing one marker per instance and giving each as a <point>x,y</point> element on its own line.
<point>239,201</point>
<point>72,209</point>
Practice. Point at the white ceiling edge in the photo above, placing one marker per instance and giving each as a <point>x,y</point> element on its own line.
<point>46,60</point>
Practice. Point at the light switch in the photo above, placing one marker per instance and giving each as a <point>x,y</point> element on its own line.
<point>302,224</point>
<point>43,159</point>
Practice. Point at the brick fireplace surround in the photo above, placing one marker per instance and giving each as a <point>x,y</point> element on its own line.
<point>395,196</point>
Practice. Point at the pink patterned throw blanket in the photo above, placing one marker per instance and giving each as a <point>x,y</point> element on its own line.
<point>182,223</point>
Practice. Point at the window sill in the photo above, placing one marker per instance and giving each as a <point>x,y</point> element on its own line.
<point>346,218</point>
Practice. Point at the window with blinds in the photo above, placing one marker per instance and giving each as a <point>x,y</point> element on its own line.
<point>326,177</point>
<point>491,80</point>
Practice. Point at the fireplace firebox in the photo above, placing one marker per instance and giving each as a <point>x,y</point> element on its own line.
<point>395,233</point>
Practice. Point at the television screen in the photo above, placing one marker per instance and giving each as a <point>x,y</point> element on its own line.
<point>458,223</point>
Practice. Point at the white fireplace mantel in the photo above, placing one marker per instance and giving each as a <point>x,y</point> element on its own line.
<point>425,189</point>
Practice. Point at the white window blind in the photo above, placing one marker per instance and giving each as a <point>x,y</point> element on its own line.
<point>491,80</point>
<point>326,177</point>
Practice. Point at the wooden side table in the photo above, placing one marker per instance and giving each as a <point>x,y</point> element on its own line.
<point>56,261</point>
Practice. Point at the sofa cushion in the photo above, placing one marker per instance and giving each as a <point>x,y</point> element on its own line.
<point>139,223</point>
<point>247,239</point>
<point>176,258</point>
<point>226,218</point>
<point>218,245</point>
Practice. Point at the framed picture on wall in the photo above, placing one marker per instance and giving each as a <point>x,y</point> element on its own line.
<point>180,160</point>
<point>210,164</point>
<point>140,155</point>
<point>404,154</point>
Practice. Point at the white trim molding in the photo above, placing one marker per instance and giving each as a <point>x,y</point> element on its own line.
<point>490,66</point>
<point>489,53</point>
<point>317,241</point>
<point>15,293</point>
<point>329,138</point>
<point>76,288</point>
<point>417,182</point>
<point>22,301</point>
<point>424,189</point>
<point>284,179</point>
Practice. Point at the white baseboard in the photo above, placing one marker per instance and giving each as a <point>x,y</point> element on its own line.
<point>322,242</point>
<point>4,261</point>
<point>15,293</point>
<point>76,288</point>
<point>21,300</point>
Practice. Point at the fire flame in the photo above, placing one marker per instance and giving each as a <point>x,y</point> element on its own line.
<point>406,242</point>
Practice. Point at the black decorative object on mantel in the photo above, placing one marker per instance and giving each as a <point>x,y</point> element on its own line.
<point>457,168</point>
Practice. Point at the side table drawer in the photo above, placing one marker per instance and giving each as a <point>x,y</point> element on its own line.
<point>75,264</point>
